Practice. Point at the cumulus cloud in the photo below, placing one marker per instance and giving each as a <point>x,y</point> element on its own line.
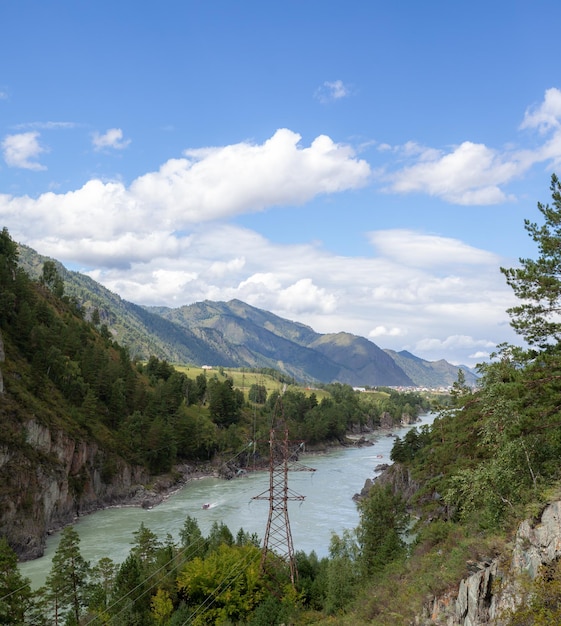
<point>332,90</point>
<point>113,138</point>
<point>165,240</point>
<point>213,183</point>
<point>469,174</point>
<point>546,115</point>
<point>21,150</point>
<point>473,173</point>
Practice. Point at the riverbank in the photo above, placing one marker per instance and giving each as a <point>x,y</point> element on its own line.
<point>163,487</point>
<point>327,506</point>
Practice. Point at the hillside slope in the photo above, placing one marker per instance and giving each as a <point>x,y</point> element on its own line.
<point>256,336</point>
<point>430,373</point>
<point>235,334</point>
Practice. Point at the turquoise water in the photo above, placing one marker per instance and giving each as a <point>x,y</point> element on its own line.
<point>328,507</point>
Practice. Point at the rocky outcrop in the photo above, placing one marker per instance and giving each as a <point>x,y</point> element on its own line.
<point>496,586</point>
<point>49,478</point>
<point>401,481</point>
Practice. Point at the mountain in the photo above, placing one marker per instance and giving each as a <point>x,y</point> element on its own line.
<point>142,332</point>
<point>431,373</point>
<point>235,334</point>
<point>255,337</point>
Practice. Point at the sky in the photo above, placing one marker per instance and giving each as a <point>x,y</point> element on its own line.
<point>356,166</point>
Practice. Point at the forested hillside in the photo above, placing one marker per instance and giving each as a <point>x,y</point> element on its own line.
<point>487,463</point>
<point>235,334</point>
<point>82,425</point>
<point>448,507</point>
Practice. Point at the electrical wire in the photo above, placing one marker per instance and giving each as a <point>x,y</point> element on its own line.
<point>213,597</point>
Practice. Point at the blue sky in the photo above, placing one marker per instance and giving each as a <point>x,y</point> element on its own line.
<point>356,166</point>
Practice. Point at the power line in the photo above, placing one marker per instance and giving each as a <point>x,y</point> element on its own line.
<point>278,536</point>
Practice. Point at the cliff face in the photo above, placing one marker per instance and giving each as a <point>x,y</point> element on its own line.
<point>50,478</point>
<point>485,596</point>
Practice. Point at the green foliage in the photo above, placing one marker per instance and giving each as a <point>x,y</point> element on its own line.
<point>66,583</point>
<point>15,591</point>
<point>52,279</point>
<point>537,283</point>
<point>342,574</point>
<point>130,600</point>
<point>192,540</point>
<point>224,403</point>
<point>228,577</point>
<point>383,521</point>
<point>258,394</point>
<point>101,585</point>
<point>405,449</point>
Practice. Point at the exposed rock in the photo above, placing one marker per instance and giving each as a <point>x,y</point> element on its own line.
<point>386,420</point>
<point>364,491</point>
<point>479,600</point>
<point>400,479</point>
<point>361,442</point>
<point>72,478</point>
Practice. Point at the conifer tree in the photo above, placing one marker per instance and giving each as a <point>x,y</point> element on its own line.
<point>67,581</point>
<point>537,283</point>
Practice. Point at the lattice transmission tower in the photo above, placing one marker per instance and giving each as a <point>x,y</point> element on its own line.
<point>282,459</point>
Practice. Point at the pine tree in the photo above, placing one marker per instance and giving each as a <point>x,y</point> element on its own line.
<point>538,282</point>
<point>383,520</point>
<point>67,581</point>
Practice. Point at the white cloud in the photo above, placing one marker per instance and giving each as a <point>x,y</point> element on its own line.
<point>163,241</point>
<point>3,95</point>
<point>426,250</point>
<point>21,149</point>
<point>304,295</point>
<point>382,331</point>
<point>480,356</point>
<point>113,138</point>
<point>213,183</point>
<point>470,174</point>
<point>223,268</point>
<point>473,173</point>
<point>457,343</point>
<point>546,115</point>
<point>332,90</point>
<point>108,219</point>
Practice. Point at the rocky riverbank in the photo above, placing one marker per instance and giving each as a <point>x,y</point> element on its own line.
<point>53,479</point>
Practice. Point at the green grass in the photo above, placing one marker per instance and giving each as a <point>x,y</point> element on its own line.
<point>244,379</point>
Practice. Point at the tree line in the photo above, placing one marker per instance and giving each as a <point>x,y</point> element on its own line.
<point>217,579</point>
<point>69,372</point>
<point>149,412</point>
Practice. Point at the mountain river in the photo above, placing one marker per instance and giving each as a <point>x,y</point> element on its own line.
<point>327,508</point>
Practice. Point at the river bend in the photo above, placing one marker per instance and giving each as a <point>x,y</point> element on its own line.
<point>328,506</point>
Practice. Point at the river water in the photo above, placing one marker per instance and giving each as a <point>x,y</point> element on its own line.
<point>327,508</point>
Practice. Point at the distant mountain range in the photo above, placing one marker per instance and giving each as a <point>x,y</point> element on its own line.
<point>235,334</point>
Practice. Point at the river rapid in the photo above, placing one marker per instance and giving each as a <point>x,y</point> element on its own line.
<point>327,508</point>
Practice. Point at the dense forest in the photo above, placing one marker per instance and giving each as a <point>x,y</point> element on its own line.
<point>149,412</point>
<point>489,460</point>
<point>65,370</point>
